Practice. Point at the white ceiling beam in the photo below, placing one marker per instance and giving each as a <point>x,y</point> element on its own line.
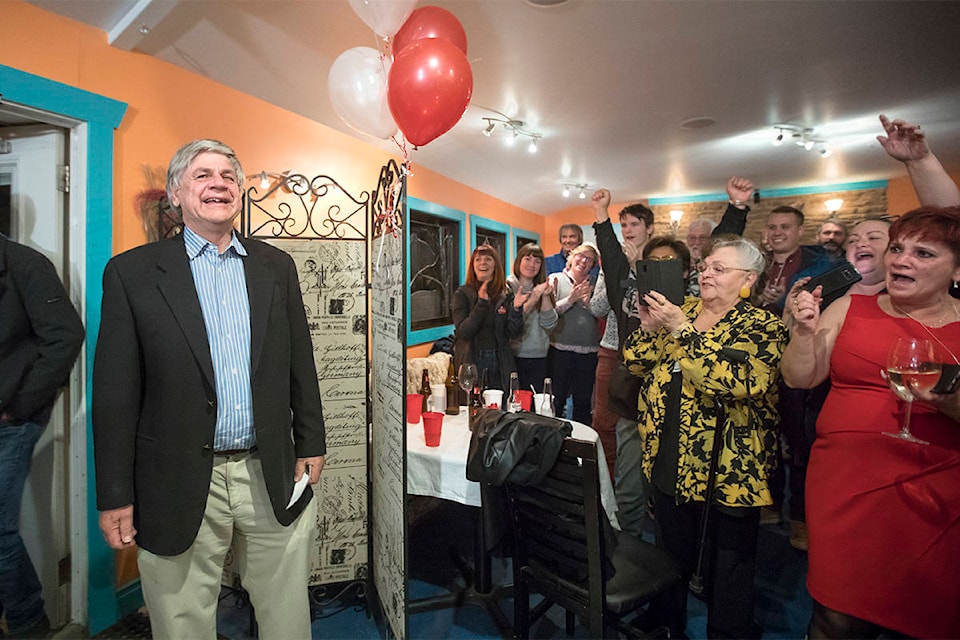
<point>136,23</point>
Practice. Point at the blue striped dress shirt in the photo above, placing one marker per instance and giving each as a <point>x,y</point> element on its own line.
<point>222,289</point>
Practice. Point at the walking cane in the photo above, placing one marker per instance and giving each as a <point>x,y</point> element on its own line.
<point>696,580</point>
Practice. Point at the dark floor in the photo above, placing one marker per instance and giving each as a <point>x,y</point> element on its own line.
<point>783,605</point>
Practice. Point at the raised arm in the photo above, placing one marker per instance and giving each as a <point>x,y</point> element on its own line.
<point>905,142</point>
<point>734,219</point>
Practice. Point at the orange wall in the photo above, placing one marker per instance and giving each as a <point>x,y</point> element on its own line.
<point>168,106</point>
<point>900,195</point>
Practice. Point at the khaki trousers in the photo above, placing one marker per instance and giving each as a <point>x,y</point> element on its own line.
<point>181,592</point>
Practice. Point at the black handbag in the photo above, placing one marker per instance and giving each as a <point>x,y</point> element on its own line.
<point>521,447</point>
<point>623,390</point>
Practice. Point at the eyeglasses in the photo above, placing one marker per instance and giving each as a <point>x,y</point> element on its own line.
<point>661,258</point>
<point>717,268</point>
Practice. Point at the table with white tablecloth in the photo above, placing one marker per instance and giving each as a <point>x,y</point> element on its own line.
<point>440,472</point>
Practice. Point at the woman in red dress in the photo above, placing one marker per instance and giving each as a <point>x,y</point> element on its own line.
<point>883,514</point>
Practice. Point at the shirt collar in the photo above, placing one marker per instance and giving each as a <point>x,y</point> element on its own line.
<point>196,245</point>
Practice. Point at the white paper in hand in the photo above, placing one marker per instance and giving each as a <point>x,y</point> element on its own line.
<point>299,487</point>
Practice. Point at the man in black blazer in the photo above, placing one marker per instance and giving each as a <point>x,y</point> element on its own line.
<point>40,337</point>
<point>206,411</point>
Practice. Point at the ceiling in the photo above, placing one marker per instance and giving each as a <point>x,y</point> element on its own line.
<point>606,82</point>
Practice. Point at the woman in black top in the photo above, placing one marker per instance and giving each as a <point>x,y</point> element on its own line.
<point>487,316</point>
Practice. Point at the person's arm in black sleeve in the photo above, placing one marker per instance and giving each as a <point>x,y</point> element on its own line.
<point>615,265</point>
<point>59,336</point>
<point>734,219</point>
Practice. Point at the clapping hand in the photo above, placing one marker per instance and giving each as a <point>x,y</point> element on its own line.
<point>581,291</point>
<point>771,293</point>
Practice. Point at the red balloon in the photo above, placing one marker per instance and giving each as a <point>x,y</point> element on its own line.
<point>428,89</point>
<point>430,22</point>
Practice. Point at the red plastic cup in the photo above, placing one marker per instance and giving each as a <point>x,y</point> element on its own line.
<point>414,407</point>
<point>432,421</point>
<point>526,399</point>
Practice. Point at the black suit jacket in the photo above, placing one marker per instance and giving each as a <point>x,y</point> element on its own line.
<point>154,399</point>
<point>40,333</point>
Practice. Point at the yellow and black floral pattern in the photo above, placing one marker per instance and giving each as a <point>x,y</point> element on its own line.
<point>749,448</point>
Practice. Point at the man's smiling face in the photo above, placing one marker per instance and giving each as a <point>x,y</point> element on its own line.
<point>208,195</point>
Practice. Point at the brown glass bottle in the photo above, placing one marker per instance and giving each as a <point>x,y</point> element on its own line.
<point>453,391</point>
<point>425,390</point>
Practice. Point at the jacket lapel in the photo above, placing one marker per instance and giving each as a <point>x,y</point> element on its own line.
<point>260,288</point>
<point>178,290</point>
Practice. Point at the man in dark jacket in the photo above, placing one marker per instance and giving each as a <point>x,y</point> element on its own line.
<point>40,337</point>
<point>206,411</point>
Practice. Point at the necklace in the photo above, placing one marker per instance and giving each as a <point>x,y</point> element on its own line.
<point>941,319</point>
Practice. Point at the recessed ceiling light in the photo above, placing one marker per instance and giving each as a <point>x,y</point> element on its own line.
<point>691,124</point>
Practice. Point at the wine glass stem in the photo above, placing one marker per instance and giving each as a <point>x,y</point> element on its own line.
<point>906,418</point>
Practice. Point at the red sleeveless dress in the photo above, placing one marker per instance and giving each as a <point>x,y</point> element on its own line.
<point>884,514</point>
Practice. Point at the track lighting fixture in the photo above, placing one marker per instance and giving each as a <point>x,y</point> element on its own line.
<point>514,129</point>
<point>579,187</point>
<point>803,137</point>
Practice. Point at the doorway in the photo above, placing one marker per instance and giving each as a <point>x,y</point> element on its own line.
<point>34,183</point>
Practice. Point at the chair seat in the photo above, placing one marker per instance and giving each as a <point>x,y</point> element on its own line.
<point>642,569</point>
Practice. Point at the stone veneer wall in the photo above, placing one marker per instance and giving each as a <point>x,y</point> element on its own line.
<point>857,205</point>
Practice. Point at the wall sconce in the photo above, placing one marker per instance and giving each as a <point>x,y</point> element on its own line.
<point>676,215</point>
<point>288,180</point>
<point>514,129</point>
<point>571,186</point>
<point>833,205</point>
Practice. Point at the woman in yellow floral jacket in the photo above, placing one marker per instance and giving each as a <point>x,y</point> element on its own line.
<point>712,351</point>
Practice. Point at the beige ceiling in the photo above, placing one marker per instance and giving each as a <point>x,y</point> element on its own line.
<point>607,83</point>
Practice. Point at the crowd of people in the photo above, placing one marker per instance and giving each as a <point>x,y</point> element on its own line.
<point>761,389</point>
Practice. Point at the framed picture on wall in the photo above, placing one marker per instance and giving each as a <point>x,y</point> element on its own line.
<point>523,237</point>
<point>485,231</point>
<point>436,255</point>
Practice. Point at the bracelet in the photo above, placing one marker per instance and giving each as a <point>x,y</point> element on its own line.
<point>738,203</point>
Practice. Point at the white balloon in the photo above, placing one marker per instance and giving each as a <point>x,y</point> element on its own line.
<point>385,17</point>
<point>357,84</point>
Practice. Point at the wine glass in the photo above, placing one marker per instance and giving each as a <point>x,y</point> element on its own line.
<point>466,378</point>
<point>911,364</point>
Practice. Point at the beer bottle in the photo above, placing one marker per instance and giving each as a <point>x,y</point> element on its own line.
<point>453,391</point>
<point>425,390</point>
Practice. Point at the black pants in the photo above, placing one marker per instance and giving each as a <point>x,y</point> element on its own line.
<point>730,560</point>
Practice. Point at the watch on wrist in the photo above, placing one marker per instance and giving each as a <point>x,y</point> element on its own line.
<point>684,333</point>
